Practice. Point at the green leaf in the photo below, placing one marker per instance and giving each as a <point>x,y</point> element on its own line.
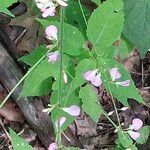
<point>124,48</point>
<point>38,83</point>
<point>90,102</point>
<point>124,139</point>
<point>137,24</point>
<point>4,4</point>
<point>67,100</point>
<point>121,93</point>
<point>98,2</point>
<point>34,56</point>
<point>106,23</point>
<point>73,39</point>
<point>83,66</point>
<point>144,134</point>
<point>73,15</point>
<point>17,142</point>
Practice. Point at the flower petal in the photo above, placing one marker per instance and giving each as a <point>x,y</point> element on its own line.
<point>61,120</point>
<point>110,113</point>
<point>72,110</point>
<point>97,81</point>
<point>133,135</point>
<point>123,83</point>
<point>136,124</point>
<point>43,4</point>
<point>53,56</point>
<point>124,108</point>
<point>51,32</point>
<point>65,78</point>
<point>90,75</point>
<point>52,146</point>
<point>48,12</point>
<point>114,73</point>
<point>62,3</point>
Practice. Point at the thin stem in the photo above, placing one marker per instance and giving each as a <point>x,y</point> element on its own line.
<point>105,114</point>
<point>60,72</point>
<point>142,74</point>
<point>22,79</point>
<point>116,111</point>
<point>82,12</point>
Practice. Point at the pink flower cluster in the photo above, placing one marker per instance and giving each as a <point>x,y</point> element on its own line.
<point>47,7</point>
<point>115,74</point>
<point>134,127</point>
<point>94,77</point>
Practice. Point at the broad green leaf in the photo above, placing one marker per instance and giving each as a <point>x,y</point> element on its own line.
<point>4,4</point>
<point>17,142</point>
<point>121,93</point>
<point>144,134</point>
<point>73,15</point>
<point>67,100</point>
<point>106,23</point>
<point>90,102</point>
<point>137,24</point>
<point>73,39</point>
<point>98,2</point>
<point>82,67</point>
<point>124,139</point>
<point>34,56</point>
<point>124,48</point>
<point>37,83</point>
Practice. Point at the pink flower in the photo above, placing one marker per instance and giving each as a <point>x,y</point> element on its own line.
<point>51,32</point>
<point>47,7</point>
<point>72,110</point>
<point>65,78</point>
<point>43,4</point>
<point>48,12</point>
<point>114,73</point>
<point>97,81</point>
<point>61,121</point>
<point>123,83</point>
<point>90,75</point>
<point>52,146</point>
<point>133,135</point>
<point>62,2</point>
<point>53,56</point>
<point>136,124</point>
<point>93,77</point>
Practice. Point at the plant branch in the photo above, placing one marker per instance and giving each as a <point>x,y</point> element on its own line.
<point>58,139</point>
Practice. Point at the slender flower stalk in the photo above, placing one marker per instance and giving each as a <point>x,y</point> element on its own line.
<point>58,140</point>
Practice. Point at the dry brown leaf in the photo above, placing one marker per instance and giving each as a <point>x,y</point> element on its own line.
<point>8,111</point>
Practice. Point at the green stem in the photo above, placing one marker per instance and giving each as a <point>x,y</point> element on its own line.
<point>22,79</point>
<point>60,72</point>
<point>116,111</point>
<point>82,12</point>
<point>105,114</point>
